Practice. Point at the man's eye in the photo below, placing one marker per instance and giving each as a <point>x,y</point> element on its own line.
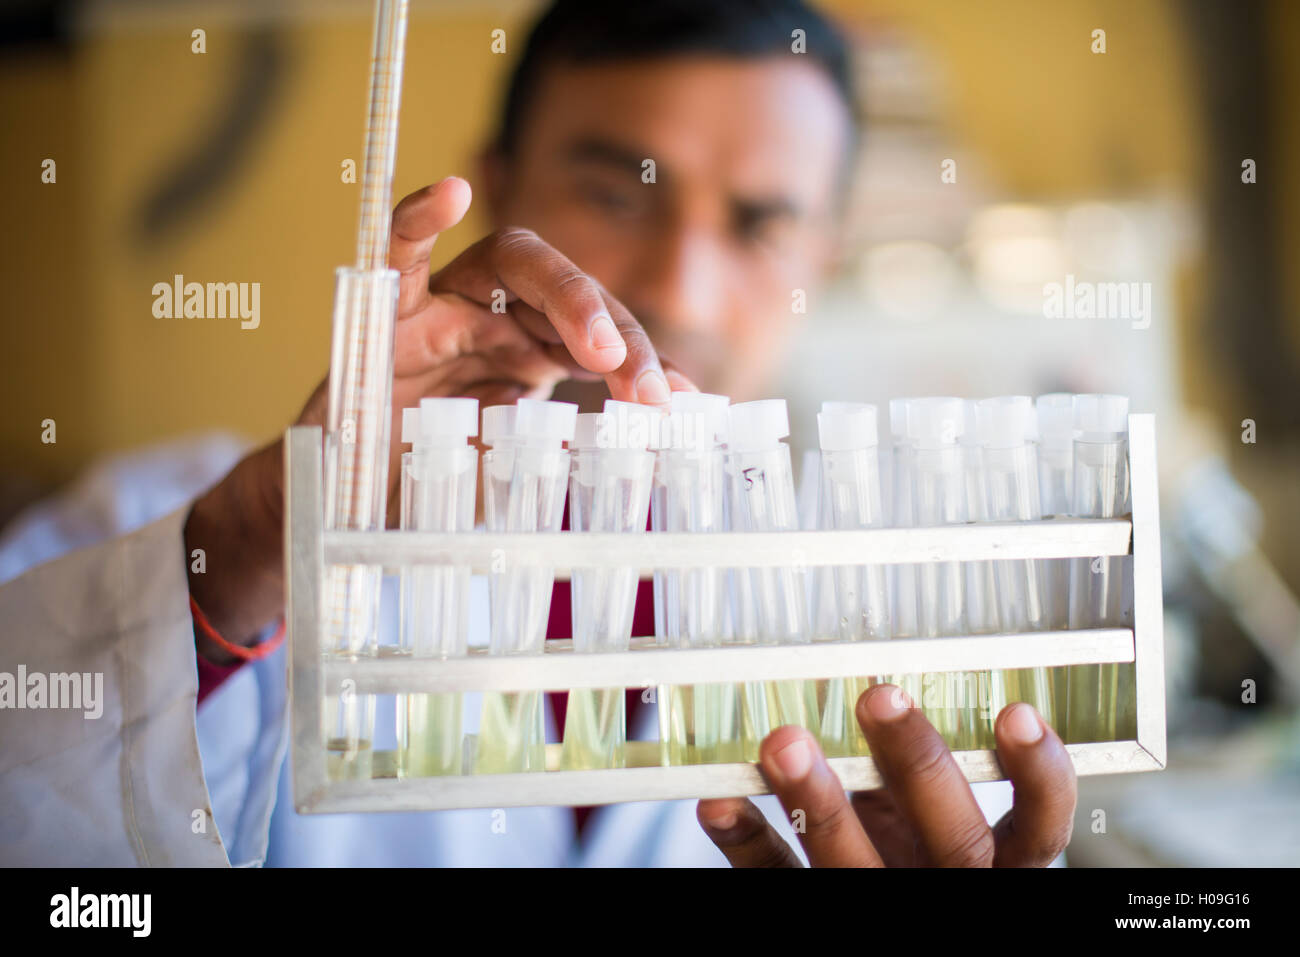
<point>756,229</point>
<point>609,199</point>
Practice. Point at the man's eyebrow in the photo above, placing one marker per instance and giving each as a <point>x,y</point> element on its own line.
<point>592,150</point>
<point>773,207</point>
<point>630,159</point>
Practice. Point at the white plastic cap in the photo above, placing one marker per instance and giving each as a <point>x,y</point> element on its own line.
<point>585,429</point>
<point>1005,421</point>
<point>1055,413</point>
<point>697,420</point>
<point>755,426</point>
<point>629,425</point>
<point>898,420</point>
<point>455,418</point>
<point>498,425</point>
<point>440,422</point>
<point>411,425</point>
<point>1100,418</point>
<point>541,422</point>
<point>832,405</point>
<point>847,426</point>
<point>935,422</point>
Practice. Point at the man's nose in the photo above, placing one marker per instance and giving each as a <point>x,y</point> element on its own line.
<point>681,283</point>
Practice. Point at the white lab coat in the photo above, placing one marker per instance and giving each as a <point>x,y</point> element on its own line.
<point>149,782</point>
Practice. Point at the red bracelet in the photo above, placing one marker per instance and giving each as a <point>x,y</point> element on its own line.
<point>254,653</point>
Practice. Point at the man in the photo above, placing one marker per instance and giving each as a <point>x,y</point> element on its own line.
<point>664,179</point>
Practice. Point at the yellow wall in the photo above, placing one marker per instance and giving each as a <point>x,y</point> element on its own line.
<point>80,342</point>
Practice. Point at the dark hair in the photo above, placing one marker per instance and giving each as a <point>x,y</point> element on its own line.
<point>592,31</point>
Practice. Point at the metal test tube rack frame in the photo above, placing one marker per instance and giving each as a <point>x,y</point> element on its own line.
<point>309,548</point>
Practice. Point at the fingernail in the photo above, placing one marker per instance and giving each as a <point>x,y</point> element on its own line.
<point>1022,725</point>
<point>604,335</point>
<point>652,388</point>
<point>794,761</point>
<point>888,704</point>
<point>724,821</point>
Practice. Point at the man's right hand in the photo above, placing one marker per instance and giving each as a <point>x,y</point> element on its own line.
<point>558,323</point>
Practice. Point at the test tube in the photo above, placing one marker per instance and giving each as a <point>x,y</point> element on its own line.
<point>439,484</point>
<point>698,724</point>
<point>981,588</point>
<point>1006,427</point>
<point>512,730</point>
<point>609,491</point>
<point>847,434</point>
<point>498,435</point>
<point>1101,490</point>
<point>812,516</point>
<point>769,604</point>
<point>1055,413</point>
<point>902,578</point>
<point>938,497</point>
<point>356,495</point>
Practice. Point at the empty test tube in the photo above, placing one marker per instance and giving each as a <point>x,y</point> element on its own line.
<point>698,724</point>
<point>847,434</point>
<point>769,604</point>
<point>609,491</point>
<point>512,729</point>
<point>439,485</point>
<point>1101,490</point>
<point>1006,428</point>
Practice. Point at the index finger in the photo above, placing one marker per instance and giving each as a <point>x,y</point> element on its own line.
<point>600,334</point>
<point>417,221</point>
<point>927,786</point>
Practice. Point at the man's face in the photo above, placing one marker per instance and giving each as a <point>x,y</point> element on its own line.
<point>747,157</point>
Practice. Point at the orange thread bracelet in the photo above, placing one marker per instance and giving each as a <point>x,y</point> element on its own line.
<point>254,653</point>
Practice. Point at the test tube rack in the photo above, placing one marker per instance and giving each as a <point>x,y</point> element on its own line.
<point>309,549</point>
